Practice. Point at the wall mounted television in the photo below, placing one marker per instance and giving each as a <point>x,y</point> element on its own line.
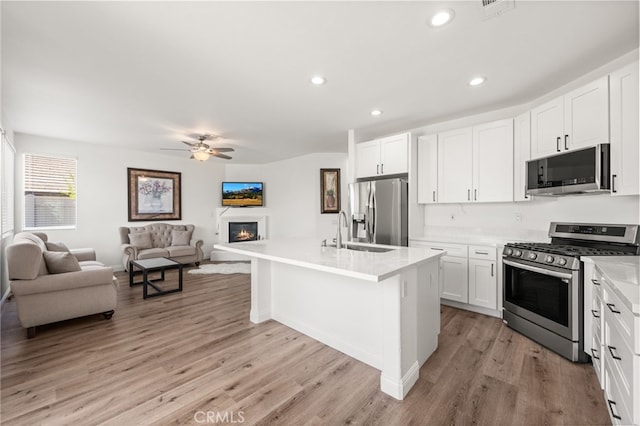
<point>242,194</point>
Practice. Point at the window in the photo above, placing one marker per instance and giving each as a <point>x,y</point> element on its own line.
<point>49,192</point>
<point>7,155</point>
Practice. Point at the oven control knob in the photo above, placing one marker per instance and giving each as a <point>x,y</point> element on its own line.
<point>549,259</point>
<point>562,261</point>
<point>532,256</point>
<point>517,253</point>
<point>508,251</point>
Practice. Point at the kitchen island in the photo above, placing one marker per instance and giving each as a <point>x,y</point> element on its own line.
<point>381,308</point>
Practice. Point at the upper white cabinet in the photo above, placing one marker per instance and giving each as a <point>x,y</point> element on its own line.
<point>624,131</point>
<point>475,164</point>
<point>576,120</point>
<point>428,169</point>
<point>493,161</point>
<point>385,156</point>
<point>455,159</point>
<point>521,154</point>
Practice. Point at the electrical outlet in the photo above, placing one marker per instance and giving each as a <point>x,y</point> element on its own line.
<point>518,217</point>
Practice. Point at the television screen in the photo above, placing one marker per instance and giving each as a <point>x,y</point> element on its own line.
<point>242,194</point>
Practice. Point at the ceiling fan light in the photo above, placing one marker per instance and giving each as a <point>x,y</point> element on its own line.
<point>201,155</point>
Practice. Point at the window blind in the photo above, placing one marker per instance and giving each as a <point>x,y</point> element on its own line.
<point>49,192</point>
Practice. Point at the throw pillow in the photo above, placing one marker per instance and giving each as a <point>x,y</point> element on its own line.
<point>59,262</point>
<point>56,246</point>
<point>180,238</point>
<point>141,240</point>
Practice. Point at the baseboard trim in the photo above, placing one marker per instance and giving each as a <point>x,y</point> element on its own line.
<point>472,308</point>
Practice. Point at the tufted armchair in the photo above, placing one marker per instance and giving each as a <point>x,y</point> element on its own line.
<point>160,240</point>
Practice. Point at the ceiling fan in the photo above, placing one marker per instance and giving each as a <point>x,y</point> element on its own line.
<point>201,151</point>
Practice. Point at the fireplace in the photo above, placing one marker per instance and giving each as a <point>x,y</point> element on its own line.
<point>243,231</point>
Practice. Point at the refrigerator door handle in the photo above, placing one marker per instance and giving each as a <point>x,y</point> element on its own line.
<point>374,218</point>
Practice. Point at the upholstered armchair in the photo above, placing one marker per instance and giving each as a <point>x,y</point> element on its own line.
<point>52,283</point>
<point>160,240</point>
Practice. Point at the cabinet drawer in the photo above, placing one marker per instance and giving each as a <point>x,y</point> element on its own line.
<point>621,316</point>
<point>482,252</point>
<point>596,357</point>
<point>619,355</point>
<point>455,250</point>
<point>616,404</point>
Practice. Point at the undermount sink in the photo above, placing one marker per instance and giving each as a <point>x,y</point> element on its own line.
<point>364,248</point>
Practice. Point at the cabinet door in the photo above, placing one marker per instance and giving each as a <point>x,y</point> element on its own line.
<point>454,278</point>
<point>521,154</point>
<point>625,139</point>
<point>547,128</point>
<point>586,115</point>
<point>493,161</point>
<point>367,159</point>
<point>482,283</point>
<point>455,160</point>
<point>428,169</point>
<point>394,154</point>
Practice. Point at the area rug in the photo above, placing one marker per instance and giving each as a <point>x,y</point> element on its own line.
<point>222,268</point>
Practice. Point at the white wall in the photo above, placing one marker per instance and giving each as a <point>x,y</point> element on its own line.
<point>102,192</point>
<point>528,220</point>
<point>292,194</point>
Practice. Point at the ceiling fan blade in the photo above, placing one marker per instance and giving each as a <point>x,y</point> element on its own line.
<point>189,143</point>
<point>226,157</point>
<point>174,149</point>
<point>222,150</point>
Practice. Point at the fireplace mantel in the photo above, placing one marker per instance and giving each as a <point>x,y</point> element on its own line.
<point>222,235</point>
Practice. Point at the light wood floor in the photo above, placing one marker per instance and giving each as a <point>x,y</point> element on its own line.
<point>163,361</point>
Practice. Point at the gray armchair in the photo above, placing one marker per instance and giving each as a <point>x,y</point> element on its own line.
<point>57,284</point>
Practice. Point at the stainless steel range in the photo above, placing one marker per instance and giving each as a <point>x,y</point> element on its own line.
<point>544,282</point>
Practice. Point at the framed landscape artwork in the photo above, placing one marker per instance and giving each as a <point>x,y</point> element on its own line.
<point>330,190</point>
<point>153,195</point>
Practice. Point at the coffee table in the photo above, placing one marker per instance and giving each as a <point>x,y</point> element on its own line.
<point>151,265</point>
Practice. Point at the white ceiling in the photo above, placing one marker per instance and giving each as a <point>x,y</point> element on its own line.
<point>146,75</point>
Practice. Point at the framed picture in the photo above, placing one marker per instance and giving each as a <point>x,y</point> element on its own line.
<point>330,190</point>
<point>153,195</point>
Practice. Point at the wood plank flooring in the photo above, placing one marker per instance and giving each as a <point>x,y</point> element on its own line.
<point>178,358</point>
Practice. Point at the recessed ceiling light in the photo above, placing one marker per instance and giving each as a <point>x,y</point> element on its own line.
<point>376,112</point>
<point>318,80</point>
<point>442,17</point>
<point>476,81</point>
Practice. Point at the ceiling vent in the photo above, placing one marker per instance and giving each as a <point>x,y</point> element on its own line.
<point>493,8</point>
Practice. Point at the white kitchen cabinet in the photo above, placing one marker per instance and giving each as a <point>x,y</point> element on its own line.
<point>483,277</point>
<point>454,274</point>
<point>385,156</point>
<point>625,138</point>
<point>469,276</point>
<point>455,162</point>
<point>521,154</point>
<point>493,161</point>
<point>428,169</point>
<point>475,164</point>
<point>576,120</point>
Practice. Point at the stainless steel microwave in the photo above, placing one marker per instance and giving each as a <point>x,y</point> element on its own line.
<point>573,172</point>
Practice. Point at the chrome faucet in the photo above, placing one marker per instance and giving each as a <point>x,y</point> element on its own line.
<point>341,215</point>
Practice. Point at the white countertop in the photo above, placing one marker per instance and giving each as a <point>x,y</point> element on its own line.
<point>463,239</point>
<point>624,273</point>
<point>308,253</point>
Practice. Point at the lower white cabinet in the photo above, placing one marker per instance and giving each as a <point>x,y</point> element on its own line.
<point>454,278</point>
<point>468,274</point>
<point>614,347</point>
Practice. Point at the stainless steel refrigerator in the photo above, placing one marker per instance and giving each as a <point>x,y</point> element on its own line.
<point>379,212</point>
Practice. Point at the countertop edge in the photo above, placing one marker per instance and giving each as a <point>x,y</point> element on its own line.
<point>633,307</point>
<point>324,268</point>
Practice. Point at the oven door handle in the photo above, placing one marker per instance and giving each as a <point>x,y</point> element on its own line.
<point>538,269</point>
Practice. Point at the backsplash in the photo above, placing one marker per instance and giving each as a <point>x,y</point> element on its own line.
<point>527,220</point>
